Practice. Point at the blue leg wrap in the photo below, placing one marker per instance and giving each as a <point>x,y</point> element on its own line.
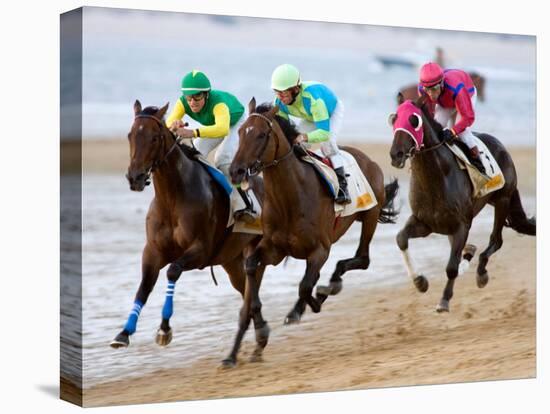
<point>130,326</point>
<point>168,308</point>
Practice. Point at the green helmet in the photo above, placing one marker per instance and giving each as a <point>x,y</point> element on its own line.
<point>195,82</point>
<point>284,77</point>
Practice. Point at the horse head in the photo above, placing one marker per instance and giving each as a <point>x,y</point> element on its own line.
<point>147,139</point>
<point>256,149</point>
<point>408,131</point>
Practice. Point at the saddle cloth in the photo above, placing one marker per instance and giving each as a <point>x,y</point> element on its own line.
<point>360,191</point>
<point>482,184</point>
<point>235,201</point>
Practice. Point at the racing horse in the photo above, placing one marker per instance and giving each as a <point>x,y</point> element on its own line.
<point>186,221</point>
<point>441,196</point>
<point>298,216</point>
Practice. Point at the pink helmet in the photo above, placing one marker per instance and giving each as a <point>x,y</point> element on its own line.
<point>431,74</point>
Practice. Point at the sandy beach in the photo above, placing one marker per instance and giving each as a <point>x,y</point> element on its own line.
<point>372,335</point>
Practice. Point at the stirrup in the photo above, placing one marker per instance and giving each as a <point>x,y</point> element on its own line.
<point>246,215</point>
<point>343,197</point>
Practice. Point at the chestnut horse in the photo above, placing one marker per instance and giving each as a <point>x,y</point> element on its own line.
<point>411,91</point>
<point>298,215</point>
<point>186,221</point>
<point>441,199</point>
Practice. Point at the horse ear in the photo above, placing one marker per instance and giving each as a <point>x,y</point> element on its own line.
<point>137,107</point>
<point>162,111</point>
<point>391,119</point>
<point>400,98</point>
<point>416,121</point>
<point>252,106</point>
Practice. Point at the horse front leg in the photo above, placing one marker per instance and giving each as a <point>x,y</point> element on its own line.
<point>264,254</point>
<point>315,262</point>
<point>458,241</point>
<point>193,258</point>
<point>413,228</point>
<point>150,267</point>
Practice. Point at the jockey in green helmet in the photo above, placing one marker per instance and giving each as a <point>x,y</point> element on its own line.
<point>220,114</point>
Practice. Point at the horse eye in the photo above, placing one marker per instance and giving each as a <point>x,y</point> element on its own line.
<point>155,137</point>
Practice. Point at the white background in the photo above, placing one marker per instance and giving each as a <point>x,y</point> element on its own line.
<point>29,150</point>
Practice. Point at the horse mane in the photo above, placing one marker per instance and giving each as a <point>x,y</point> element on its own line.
<point>189,152</point>
<point>435,126</point>
<point>289,128</point>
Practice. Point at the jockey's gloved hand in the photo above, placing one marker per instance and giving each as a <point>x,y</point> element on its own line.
<point>447,136</point>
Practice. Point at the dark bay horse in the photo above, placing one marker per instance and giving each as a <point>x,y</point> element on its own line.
<point>186,221</point>
<point>441,199</point>
<point>298,215</point>
<point>411,91</point>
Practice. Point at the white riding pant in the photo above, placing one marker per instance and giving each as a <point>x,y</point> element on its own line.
<point>445,116</point>
<point>329,148</point>
<point>226,148</point>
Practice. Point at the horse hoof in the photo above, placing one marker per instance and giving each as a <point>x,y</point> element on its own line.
<point>256,357</point>
<point>163,338</point>
<point>227,363</point>
<point>482,280</point>
<point>469,251</point>
<point>323,291</point>
<point>315,305</point>
<point>443,306</point>
<point>292,318</point>
<point>421,283</point>
<point>262,335</point>
<point>121,341</point>
<point>335,287</point>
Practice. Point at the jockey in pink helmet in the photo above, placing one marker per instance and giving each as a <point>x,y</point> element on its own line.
<point>451,92</point>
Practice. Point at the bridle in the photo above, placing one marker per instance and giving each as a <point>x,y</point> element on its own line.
<point>258,166</point>
<point>157,163</point>
<point>416,150</point>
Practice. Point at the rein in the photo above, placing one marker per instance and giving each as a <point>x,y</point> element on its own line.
<point>259,166</point>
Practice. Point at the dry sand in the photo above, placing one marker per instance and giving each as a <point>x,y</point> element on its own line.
<point>373,336</point>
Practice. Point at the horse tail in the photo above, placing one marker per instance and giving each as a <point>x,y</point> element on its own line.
<point>388,213</point>
<point>517,219</point>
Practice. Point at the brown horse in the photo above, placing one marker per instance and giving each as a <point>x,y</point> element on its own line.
<point>441,198</point>
<point>186,221</point>
<point>410,92</point>
<point>298,215</point>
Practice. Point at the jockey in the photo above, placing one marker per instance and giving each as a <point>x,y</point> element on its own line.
<point>221,115</point>
<point>321,112</point>
<point>451,92</point>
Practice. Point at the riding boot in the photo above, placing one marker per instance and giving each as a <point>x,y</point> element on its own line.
<point>476,160</point>
<point>247,214</point>
<point>343,194</point>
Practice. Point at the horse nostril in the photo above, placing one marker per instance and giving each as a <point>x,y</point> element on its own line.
<point>241,171</point>
<point>400,154</point>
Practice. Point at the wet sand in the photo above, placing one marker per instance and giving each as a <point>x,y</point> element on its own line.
<point>370,335</point>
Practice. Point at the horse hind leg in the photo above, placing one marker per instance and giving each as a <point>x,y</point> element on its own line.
<point>495,241</point>
<point>361,260</point>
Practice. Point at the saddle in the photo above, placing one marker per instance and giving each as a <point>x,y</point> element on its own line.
<point>483,184</point>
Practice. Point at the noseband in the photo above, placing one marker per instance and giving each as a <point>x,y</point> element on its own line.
<point>258,166</point>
